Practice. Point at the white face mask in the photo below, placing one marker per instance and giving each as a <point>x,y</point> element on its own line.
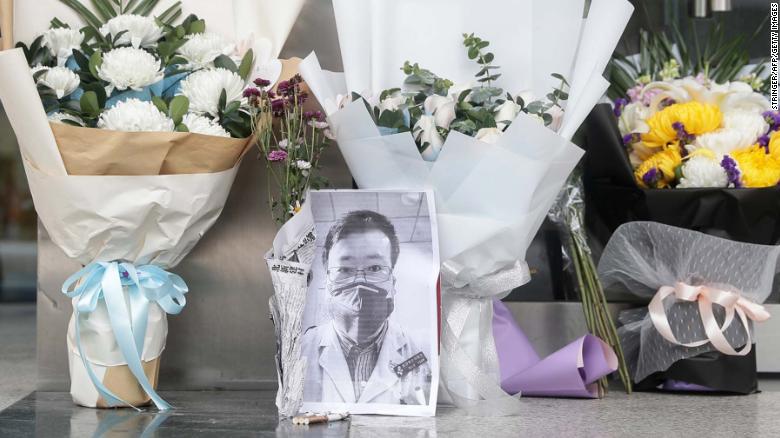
<point>360,309</point>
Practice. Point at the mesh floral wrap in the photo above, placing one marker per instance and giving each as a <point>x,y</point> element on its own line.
<point>642,257</point>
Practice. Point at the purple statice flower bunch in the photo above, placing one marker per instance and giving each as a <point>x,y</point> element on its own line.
<point>732,171</point>
<point>651,177</point>
<point>682,134</point>
<point>773,120</point>
<point>620,103</point>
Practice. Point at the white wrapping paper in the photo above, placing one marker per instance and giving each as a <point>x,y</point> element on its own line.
<point>490,199</point>
<point>154,219</point>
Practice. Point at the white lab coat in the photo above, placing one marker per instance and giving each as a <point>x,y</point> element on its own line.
<point>328,378</point>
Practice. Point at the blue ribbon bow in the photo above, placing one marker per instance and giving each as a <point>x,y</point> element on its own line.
<point>144,284</point>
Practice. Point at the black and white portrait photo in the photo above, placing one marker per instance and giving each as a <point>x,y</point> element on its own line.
<point>370,322</point>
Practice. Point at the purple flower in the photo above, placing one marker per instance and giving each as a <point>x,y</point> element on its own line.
<point>682,134</point>
<point>773,119</point>
<point>283,88</point>
<point>277,106</point>
<point>763,141</point>
<point>631,138</point>
<point>251,92</point>
<point>732,170</point>
<point>620,103</point>
<point>314,115</point>
<point>277,156</point>
<point>651,177</point>
<point>262,83</point>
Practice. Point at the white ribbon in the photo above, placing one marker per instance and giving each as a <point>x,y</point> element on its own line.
<point>484,395</point>
<point>706,296</point>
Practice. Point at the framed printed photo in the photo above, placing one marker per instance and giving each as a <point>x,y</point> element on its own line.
<point>370,325</point>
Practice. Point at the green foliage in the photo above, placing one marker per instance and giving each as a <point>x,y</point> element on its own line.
<point>719,58</point>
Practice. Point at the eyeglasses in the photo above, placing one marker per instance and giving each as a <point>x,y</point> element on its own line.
<point>372,274</point>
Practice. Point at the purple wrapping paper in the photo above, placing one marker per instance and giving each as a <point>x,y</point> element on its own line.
<point>571,371</point>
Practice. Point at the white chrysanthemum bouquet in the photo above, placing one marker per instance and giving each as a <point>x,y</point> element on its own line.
<point>131,129</point>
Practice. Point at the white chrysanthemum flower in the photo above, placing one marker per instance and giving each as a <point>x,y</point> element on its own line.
<point>204,87</point>
<point>38,68</point>
<point>127,67</point>
<point>633,119</point>
<point>58,117</point>
<point>201,49</point>
<point>60,79</point>
<point>303,165</point>
<point>140,31</point>
<point>741,129</point>
<point>703,170</point>
<point>203,125</point>
<point>62,41</point>
<point>134,115</point>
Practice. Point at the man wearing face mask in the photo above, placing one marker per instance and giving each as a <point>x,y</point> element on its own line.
<point>359,356</point>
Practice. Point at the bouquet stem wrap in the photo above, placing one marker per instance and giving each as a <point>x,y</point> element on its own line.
<point>704,293</point>
<point>126,294</point>
<point>290,262</point>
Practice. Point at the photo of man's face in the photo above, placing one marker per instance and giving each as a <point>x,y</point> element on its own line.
<point>360,283</point>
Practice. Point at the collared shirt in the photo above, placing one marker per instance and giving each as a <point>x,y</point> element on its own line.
<point>361,359</point>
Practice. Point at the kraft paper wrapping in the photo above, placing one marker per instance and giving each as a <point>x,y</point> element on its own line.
<point>89,151</point>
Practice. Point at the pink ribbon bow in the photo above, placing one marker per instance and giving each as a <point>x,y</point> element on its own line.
<point>732,302</point>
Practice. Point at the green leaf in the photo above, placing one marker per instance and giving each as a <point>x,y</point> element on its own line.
<point>473,52</point>
<point>181,127</point>
<point>99,91</point>
<point>198,26</point>
<point>232,107</point>
<point>224,61</point>
<point>488,58</point>
<point>95,61</point>
<point>245,68</point>
<point>104,9</point>
<point>178,108</point>
<point>222,100</point>
<point>89,104</point>
<point>145,7</point>
<point>83,12</point>
<point>170,13</point>
<point>160,104</point>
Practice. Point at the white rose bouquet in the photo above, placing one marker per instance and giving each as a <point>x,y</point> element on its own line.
<point>131,129</point>
<point>494,162</point>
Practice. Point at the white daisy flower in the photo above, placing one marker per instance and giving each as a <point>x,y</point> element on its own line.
<point>204,87</point>
<point>201,49</point>
<point>140,31</point>
<point>58,117</point>
<point>303,165</point>
<point>61,42</point>
<point>703,170</point>
<point>284,143</point>
<point>134,115</point>
<point>203,125</point>
<point>127,67</point>
<point>60,79</point>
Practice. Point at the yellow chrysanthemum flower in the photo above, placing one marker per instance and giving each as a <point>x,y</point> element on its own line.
<point>697,118</point>
<point>658,171</point>
<point>758,168</point>
<point>774,144</point>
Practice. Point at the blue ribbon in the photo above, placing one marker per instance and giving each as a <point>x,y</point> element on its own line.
<point>144,284</point>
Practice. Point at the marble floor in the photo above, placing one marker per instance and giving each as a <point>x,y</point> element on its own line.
<point>25,413</point>
<point>252,414</point>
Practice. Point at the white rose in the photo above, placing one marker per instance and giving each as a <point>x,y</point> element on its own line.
<point>703,170</point>
<point>506,113</point>
<point>442,108</point>
<point>633,119</point>
<point>557,117</point>
<point>425,131</point>
<point>489,135</point>
<point>392,102</point>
